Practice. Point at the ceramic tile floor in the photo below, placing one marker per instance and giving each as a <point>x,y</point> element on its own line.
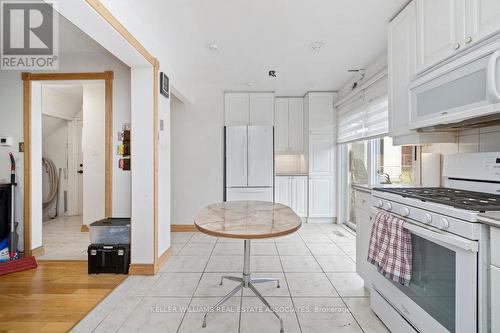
<point>317,272</point>
<point>63,240</point>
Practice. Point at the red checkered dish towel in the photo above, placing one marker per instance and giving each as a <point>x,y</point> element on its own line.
<point>390,248</point>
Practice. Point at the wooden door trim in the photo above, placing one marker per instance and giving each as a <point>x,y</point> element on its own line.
<point>27,78</point>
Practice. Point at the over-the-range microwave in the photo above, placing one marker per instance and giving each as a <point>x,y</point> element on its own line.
<point>464,92</point>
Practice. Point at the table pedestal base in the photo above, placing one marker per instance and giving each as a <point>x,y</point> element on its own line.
<point>245,282</point>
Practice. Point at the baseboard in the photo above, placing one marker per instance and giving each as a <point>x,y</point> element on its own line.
<point>163,259</point>
<point>84,228</point>
<point>39,251</point>
<point>141,269</point>
<point>183,228</point>
<point>322,220</point>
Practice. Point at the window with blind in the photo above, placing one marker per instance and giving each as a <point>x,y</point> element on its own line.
<point>366,115</point>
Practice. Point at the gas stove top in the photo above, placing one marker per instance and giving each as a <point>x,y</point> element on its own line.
<point>468,200</point>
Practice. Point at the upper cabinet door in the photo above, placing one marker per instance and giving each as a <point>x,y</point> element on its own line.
<point>261,109</point>
<point>236,109</point>
<point>260,156</point>
<point>482,19</point>
<point>320,112</point>
<point>296,125</point>
<point>281,125</point>
<point>401,54</point>
<point>321,155</point>
<point>440,30</point>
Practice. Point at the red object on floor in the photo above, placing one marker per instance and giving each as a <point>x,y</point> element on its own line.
<point>17,265</point>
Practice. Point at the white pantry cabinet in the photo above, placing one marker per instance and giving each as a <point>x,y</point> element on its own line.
<point>446,27</point>
<point>289,125</point>
<point>261,109</point>
<point>402,41</point>
<point>292,191</point>
<point>321,199</point>
<point>241,109</point>
<point>319,106</point>
<point>321,155</point>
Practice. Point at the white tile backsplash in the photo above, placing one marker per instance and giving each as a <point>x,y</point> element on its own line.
<point>291,164</point>
<point>473,140</point>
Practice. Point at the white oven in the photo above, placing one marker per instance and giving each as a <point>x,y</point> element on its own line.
<point>442,295</point>
<point>467,88</point>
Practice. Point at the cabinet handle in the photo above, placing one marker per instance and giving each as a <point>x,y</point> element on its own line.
<point>468,40</point>
<point>457,46</point>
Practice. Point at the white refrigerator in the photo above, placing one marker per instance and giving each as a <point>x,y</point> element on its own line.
<point>249,163</point>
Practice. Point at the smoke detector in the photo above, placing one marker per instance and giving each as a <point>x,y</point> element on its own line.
<point>317,46</point>
<point>212,47</point>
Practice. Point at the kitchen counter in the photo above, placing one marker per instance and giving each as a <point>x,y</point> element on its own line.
<point>490,218</point>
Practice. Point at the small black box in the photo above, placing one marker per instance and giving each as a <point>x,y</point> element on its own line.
<point>108,258</point>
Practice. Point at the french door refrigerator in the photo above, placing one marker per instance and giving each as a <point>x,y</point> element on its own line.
<point>249,163</point>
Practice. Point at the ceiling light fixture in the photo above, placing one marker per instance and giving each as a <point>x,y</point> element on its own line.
<point>316,46</point>
<point>212,46</point>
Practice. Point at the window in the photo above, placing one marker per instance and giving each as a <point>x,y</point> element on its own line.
<point>394,164</point>
<point>372,162</point>
<point>357,158</point>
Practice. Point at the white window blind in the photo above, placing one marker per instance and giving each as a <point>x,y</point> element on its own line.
<point>366,115</point>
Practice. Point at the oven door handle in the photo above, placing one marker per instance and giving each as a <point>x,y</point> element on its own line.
<point>435,235</point>
<point>462,243</point>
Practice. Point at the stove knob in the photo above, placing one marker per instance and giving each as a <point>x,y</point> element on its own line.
<point>389,206</point>
<point>427,218</point>
<point>405,211</point>
<point>445,224</point>
<point>380,204</point>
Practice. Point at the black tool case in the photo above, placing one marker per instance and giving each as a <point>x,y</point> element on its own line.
<point>113,258</point>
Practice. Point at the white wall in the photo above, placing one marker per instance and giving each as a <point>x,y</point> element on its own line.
<point>197,152</point>
<point>142,231</point>
<point>164,208</point>
<point>93,152</point>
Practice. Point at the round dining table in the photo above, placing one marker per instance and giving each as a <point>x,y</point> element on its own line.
<point>247,220</point>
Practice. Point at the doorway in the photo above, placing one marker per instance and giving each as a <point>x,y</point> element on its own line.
<point>62,171</point>
<point>70,137</point>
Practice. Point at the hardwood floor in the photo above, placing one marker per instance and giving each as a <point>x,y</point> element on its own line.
<point>52,298</point>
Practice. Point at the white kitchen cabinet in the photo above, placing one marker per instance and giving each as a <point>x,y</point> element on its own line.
<point>482,19</point>
<point>438,30</point>
<point>402,56</point>
<point>321,150</point>
<point>299,195</point>
<point>261,109</point>
<point>321,200</point>
<point>364,222</point>
<point>296,124</point>
<point>236,109</point>
<point>292,191</point>
<point>282,192</point>
<point>447,27</point>
<point>494,298</point>
<point>242,109</point>
<point>281,125</point>
<point>289,125</point>
<point>320,112</point>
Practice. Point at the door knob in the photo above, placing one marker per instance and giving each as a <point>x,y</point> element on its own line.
<point>468,40</point>
<point>457,46</point>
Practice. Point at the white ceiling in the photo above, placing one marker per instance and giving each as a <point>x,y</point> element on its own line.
<point>260,35</point>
